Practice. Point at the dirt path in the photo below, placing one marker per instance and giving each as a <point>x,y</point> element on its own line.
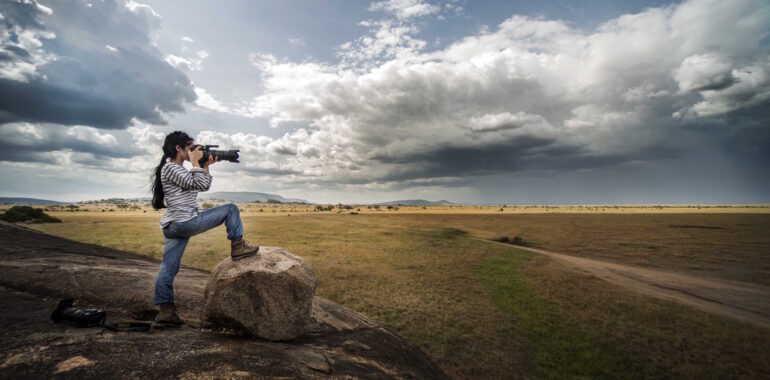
<point>738,300</point>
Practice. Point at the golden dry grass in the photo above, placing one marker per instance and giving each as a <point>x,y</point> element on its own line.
<point>417,274</point>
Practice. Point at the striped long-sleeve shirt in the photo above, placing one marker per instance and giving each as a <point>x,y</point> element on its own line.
<point>180,190</point>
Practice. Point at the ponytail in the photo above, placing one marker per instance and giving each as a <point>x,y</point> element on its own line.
<point>174,139</point>
<point>157,186</point>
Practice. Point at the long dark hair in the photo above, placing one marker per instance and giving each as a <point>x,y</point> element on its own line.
<point>169,150</point>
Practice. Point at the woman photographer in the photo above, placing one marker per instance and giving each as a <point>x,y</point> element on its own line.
<point>179,188</point>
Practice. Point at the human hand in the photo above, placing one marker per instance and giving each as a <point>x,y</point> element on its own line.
<point>212,159</point>
<point>195,156</point>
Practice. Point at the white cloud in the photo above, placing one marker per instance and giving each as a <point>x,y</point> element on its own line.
<point>92,135</point>
<point>25,142</point>
<point>179,62</point>
<point>21,134</point>
<point>703,71</point>
<point>44,9</point>
<point>135,7</point>
<point>751,87</point>
<point>25,50</point>
<point>207,101</point>
<point>405,9</point>
<point>297,41</point>
<point>539,86</point>
<point>145,136</point>
<point>505,120</point>
<point>386,40</point>
<point>189,64</point>
<point>528,94</point>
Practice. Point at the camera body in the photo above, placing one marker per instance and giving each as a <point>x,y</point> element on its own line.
<point>224,155</point>
<point>66,313</point>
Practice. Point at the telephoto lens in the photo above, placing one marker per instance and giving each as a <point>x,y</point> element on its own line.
<point>224,155</point>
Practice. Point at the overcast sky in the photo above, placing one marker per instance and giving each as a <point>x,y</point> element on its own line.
<point>352,101</point>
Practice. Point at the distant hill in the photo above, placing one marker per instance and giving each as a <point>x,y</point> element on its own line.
<point>247,196</point>
<point>29,201</point>
<point>415,202</point>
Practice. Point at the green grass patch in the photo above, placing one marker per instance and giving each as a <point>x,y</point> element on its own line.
<point>555,345</point>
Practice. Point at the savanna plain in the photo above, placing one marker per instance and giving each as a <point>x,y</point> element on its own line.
<point>440,277</point>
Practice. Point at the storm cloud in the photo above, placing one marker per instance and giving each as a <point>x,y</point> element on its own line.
<point>671,99</point>
<point>532,94</point>
<point>85,63</point>
<point>25,142</point>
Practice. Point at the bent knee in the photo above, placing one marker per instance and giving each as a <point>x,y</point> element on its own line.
<point>233,208</point>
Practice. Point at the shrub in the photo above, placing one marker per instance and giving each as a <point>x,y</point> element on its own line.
<point>516,240</point>
<point>206,206</point>
<point>27,214</point>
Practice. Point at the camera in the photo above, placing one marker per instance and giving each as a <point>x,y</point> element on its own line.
<point>66,313</point>
<point>224,155</point>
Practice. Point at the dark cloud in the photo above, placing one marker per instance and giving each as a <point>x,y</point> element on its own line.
<point>93,66</point>
<point>742,134</point>
<point>23,15</point>
<point>533,95</point>
<point>267,171</point>
<point>30,143</point>
<point>659,105</point>
<point>525,153</point>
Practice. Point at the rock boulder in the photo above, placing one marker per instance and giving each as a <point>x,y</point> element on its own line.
<point>269,295</point>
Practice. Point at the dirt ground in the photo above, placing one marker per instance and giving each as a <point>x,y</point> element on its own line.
<point>741,301</point>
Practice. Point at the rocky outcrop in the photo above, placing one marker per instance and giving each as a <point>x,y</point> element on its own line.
<point>269,295</point>
<point>36,270</point>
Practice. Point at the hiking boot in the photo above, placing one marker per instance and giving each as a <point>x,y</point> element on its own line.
<point>242,248</point>
<point>167,317</point>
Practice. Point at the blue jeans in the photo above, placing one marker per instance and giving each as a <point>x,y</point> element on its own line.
<point>178,234</point>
